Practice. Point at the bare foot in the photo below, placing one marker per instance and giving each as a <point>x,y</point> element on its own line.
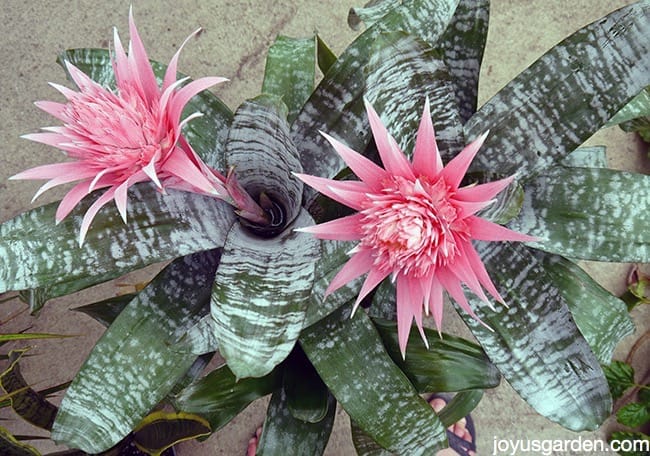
<point>459,428</point>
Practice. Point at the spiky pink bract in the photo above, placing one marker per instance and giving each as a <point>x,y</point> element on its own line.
<point>122,137</point>
<point>414,223</point>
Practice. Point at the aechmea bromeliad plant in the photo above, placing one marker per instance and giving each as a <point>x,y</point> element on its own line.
<point>489,202</point>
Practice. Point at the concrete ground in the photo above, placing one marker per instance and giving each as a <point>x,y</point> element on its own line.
<point>236,37</point>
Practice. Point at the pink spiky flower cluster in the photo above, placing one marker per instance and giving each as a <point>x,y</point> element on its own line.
<point>119,138</point>
<point>414,223</point>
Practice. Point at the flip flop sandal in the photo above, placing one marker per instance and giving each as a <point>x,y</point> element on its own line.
<point>458,444</point>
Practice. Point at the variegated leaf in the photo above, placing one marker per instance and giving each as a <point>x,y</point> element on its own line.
<point>601,317</point>
<point>283,433</point>
<point>36,252</point>
<point>536,344</point>
<point>336,106</point>
<point>565,96</point>
<point>589,213</point>
<point>462,47</point>
<point>350,358</point>
<point>402,72</point>
<point>136,363</point>
<point>290,72</point>
<point>373,11</point>
<point>639,106</point>
<point>207,134</point>
<point>261,151</point>
<point>587,157</point>
<point>260,296</point>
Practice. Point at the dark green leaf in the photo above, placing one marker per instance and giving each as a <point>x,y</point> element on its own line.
<point>31,406</point>
<point>639,106</point>
<point>324,55</point>
<point>633,415</point>
<point>462,46</point>
<point>161,430</point>
<point>536,344</point>
<point>37,252</point>
<point>449,364</point>
<point>283,433</point>
<point>620,377</point>
<point>460,406</point>
<point>260,296</point>
<point>364,445</point>
<point>644,395</point>
<point>290,72</point>
<point>107,310</point>
<point>207,134</point>
<point>10,446</point>
<point>219,396</point>
<point>565,96</point>
<point>350,358</point>
<point>588,213</point>
<point>373,11</point>
<point>136,363</point>
<point>601,317</point>
<point>307,396</point>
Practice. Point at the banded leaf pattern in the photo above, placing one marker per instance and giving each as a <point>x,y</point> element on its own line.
<point>336,106</point>
<point>536,344</point>
<point>589,213</point>
<point>260,296</point>
<point>565,96</point>
<point>263,154</point>
<point>351,359</point>
<point>37,252</point>
<point>135,363</point>
<point>402,72</point>
<point>601,317</point>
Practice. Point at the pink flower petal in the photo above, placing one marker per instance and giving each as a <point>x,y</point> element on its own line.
<point>483,192</point>
<point>341,229</point>
<point>184,94</point>
<point>364,169</point>
<point>426,157</point>
<point>359,264</point>
<point>481,273</point>
<point>484,230</point>
<point>178,164</point>
<point>171,72</point>
<point>394,160</point>
<point>455,170</point>
<point>140,62</point>
<point>350,193</point>
<point>374,278</point>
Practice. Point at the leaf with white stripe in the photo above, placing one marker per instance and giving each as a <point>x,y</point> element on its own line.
<point>136,364</point>
<point>536,344</point>
<point>264,156</point>
<point>260,296</point>
<point>336,106</point>
<point>565,96</point>
<point>601,317</point>
<point>373,11</point>
<point>462,47</point>
<point>290,71</point>
<point>589,213</point>
<point>402,72</point>
<point>36,252</point>
<point>350,358</point>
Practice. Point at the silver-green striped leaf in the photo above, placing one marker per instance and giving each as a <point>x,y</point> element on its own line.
<point>263,154</point>
<point>290,72</point>
<point>639,106</point>
<point>36,252</point>
<point>373,11</point>
<point>587,157</point>
<point>601,317</point>
<point>536,344</point>
<point>136,364</point>
<point>402,72</point>
<point>462,47</point>
<point>589,213</point>
<point>336,106</point>
<point>565,96</point>
<point>207,134</point>
<point>284,434</point>
<point>260,296</point>
<point>350,358</point>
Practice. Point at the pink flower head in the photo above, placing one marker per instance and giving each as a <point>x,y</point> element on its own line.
<point>122,137</point>
<point>414,223</point>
